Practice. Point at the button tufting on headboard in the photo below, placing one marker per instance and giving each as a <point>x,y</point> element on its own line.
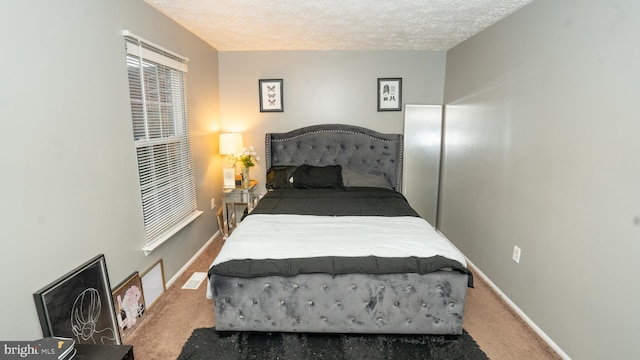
<point>334,144</point>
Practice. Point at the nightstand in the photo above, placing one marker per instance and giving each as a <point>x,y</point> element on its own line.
<point>103,352</point>
<point>247,197</point>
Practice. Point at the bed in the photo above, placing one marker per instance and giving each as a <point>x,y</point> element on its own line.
<point>334,247</point>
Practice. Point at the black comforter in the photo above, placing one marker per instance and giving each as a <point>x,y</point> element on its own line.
<point>350,201</point>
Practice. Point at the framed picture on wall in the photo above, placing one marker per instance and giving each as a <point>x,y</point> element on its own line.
<point>389,94</point>
<point>271,99</point>
<point>79,305</point>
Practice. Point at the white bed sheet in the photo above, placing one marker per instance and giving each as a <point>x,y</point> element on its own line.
<point>302,236</point>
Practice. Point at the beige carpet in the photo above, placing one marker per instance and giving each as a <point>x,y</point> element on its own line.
<point>168,324</point>
<point>499,331</point>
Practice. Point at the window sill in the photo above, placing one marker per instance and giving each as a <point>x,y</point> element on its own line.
<point>167,235</point>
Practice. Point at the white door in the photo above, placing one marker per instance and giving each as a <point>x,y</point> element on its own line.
<point>421,170</point>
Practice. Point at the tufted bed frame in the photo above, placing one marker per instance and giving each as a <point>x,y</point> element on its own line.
<point>407,303</point>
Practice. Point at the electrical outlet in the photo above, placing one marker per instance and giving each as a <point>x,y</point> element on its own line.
<point>213,203</point>
<point>516,254</point>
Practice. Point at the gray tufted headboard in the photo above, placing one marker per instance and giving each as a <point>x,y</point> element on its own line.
<point>355,148</point>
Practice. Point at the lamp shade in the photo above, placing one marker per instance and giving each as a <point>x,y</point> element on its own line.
<point>230,143</point>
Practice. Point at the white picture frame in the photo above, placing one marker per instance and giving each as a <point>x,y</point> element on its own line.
<point>229,177</point>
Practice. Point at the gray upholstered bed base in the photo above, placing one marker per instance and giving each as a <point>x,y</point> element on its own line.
<point>351,303</point>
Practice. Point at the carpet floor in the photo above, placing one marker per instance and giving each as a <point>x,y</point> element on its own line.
<point>206,343</point>
<point>168,324</point>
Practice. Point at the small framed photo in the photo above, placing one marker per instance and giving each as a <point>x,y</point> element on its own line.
<point>271,99</point>
<point>153,284</point>
<point>129,302</point>
<point>79,305</point>
<point>389,94</point>
<point>229,177</point>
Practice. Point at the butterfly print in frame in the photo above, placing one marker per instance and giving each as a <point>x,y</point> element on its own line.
<point>271,99</point>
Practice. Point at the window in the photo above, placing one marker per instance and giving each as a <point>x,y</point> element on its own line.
<point>157,87</point>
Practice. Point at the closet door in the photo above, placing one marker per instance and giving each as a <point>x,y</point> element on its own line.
<point>422,140</point>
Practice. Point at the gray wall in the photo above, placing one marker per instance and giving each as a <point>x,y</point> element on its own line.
<point>542,151</point>
<point>69,180</point>
<point>322,87</point>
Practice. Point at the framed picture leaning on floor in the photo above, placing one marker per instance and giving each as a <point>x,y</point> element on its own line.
<point>79,305</point>
<point>129,303</point>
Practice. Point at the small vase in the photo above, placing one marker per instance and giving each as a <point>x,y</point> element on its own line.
<point>245,177</point>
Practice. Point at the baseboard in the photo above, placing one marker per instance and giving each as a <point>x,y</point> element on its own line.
<point>518,311</point>
<point>193,258</point>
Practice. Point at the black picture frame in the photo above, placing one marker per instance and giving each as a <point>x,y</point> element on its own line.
<point>79,305</point>
<point>271,95</point>
<point>389,94</point>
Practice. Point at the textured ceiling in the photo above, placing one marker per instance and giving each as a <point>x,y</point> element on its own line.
<point>242,25</point>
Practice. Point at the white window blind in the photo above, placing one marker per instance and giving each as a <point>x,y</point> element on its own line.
<point>157,87</point>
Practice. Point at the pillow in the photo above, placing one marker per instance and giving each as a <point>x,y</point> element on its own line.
<point>279,177</point>
<point>354,178</point>
<point>314,177</point>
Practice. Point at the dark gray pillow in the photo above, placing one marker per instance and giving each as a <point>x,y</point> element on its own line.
<point>316,177</point>
<point>279,177</point>
<point>352,178</point>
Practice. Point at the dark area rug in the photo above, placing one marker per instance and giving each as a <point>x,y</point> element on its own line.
<point>206,343</point>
